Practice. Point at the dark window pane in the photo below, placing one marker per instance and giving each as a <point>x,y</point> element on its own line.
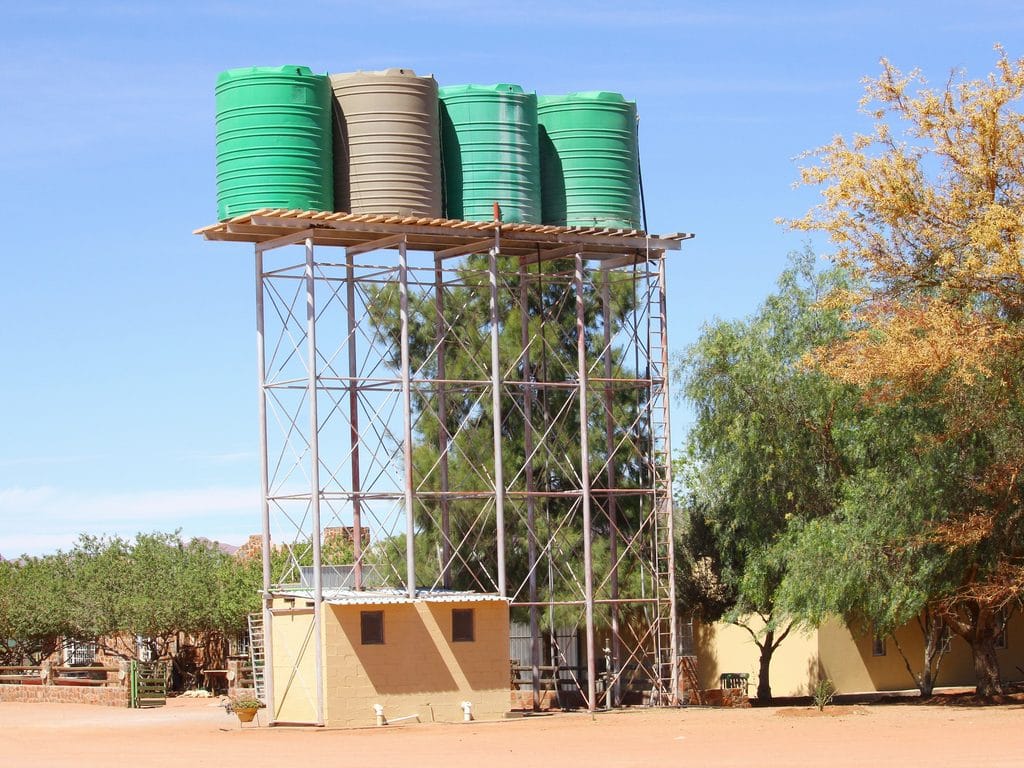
<point>462,625</point>
<point>371,627</point>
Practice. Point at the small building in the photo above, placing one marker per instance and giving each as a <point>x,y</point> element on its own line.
<point>855,662</point>
<point>415,657</point>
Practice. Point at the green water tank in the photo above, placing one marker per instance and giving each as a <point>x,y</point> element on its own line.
<point>588,159</point>
<point>489,152</point>
<point>273,140</point>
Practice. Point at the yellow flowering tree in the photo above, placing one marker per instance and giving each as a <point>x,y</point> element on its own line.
<point>926,211</point>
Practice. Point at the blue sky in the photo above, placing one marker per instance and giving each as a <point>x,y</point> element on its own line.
<point>128,396</point>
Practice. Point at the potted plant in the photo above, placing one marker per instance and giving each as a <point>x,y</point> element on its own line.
<point>245,707</point>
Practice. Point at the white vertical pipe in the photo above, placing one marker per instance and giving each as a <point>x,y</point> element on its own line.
<point>314,478</point>
<point>588,553</point>
<point>410,528</point>
<point>261,364</point>
<point>499,475</point>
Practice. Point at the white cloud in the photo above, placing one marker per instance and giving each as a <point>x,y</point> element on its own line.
<point>45,518</point>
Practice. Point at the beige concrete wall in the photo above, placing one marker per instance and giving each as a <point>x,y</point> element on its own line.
<point>844,656</point>
<point>418,670</point>
<point>848,660</point>
<point>725,647</point>
<point>294,666</point>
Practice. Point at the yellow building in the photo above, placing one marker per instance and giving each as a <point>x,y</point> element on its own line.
<point>855,662</point>
<point>423,657</point>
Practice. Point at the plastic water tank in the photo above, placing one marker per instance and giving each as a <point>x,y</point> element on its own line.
<point>588,159</point>
<point>273,140</point>
<point>387,149</point>
<point>490,154</point>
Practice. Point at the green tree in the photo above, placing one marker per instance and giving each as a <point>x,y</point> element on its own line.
<point>111,590</point>
<point>551,321</point>
<point>35,607</point>
<point>868,562</point>
<point>767,452</point>
<point>928,207</point>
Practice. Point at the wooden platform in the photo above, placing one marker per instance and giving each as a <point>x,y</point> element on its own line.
<point>447,238</point>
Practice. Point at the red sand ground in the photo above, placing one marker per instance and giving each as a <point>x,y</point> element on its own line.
<point>196,732</point>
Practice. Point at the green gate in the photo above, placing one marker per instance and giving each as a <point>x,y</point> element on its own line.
<point>149,684</point>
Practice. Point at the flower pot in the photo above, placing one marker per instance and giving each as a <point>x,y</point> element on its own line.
<point>245,715</point>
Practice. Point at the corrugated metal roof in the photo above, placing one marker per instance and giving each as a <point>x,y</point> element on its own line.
<point>394,596</point>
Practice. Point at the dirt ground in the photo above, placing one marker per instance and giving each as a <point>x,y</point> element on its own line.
<point>196,732</point>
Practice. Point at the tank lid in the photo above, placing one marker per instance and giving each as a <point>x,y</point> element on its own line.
<point>288,69</point>
<point>389,72</point>
<point>609,96</point>
<point>454,90</point>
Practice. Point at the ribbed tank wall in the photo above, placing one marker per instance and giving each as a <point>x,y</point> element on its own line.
<point>273,140</point>
<point>387,150</point>
<point>589,162</point>
<point>489,150</point>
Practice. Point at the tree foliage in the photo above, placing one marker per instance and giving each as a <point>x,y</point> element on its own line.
<point>767,452</point>
<point>550,317</point>
<point>928,210</point>
<point>106,589</point>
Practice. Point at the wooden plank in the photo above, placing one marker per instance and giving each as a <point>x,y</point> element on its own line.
<point>551,253</point>
<point>477,246</point>
<point>290,239</point>
<point>629,259</point>
<point>374,245</point>
<point>516,240</point>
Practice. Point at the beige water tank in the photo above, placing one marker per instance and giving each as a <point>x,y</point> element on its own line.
<point>387,150</point>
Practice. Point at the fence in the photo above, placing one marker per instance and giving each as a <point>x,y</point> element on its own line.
<point>96,684</point>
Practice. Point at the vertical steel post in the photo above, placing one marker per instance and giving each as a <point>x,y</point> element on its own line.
<point>261,364</point>
<point>610,479</point>
<point>531,486</point>
<point>410,522</point>
<point>673,608</point>
<point>353,420</point>
<point>499,478</point>
<point>314,478</point>
<point>442,416</point>
<point>588,553</point>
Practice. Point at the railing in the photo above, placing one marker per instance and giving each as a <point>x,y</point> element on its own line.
<point>49,674</point>
<point>21,675</point>
<point>92,675</point>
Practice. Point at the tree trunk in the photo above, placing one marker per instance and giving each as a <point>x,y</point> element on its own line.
<point>934,631</point>
<point>925,681</point>
<point>764,685</point>
<point>986,667</point>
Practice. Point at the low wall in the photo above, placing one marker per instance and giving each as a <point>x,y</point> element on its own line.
<point>108,696</point>
<point>53,684</point>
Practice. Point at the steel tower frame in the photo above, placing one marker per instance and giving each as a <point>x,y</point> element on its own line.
<point>363,424</point>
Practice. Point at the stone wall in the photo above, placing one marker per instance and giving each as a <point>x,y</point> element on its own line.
<point>103,695</point>
<point>240,684</point>
<point>49,686</point>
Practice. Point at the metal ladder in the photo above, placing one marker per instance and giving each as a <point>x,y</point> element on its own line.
<point>661,459</point>
<point>256,655</point>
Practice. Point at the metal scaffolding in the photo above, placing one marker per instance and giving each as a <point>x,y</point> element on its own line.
<point>491,402</point>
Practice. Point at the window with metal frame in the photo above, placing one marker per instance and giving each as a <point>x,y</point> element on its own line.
<point>80,653</point>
